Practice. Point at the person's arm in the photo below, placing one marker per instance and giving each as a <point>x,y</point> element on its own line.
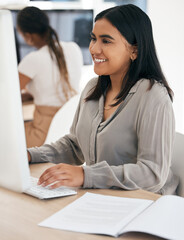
<point>24,80</point>
<point>28,68</point>
<point>61,174</point>
<point>25,95</point>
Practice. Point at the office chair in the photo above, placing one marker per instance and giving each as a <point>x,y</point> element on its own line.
<point>178,161</point>
<point>62,120</point>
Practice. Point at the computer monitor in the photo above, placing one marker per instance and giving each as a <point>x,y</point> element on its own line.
<point>14,169</point>
<point>70,25</point>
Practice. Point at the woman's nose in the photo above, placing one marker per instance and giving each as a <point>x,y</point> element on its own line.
<point>95,48</point>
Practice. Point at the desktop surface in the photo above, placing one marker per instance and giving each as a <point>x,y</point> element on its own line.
<point>28,108</point>
<point>21,213</point>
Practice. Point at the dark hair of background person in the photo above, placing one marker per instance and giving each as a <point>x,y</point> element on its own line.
<point>135,26</point>
<point>33,20</point>
<point>17,46</point>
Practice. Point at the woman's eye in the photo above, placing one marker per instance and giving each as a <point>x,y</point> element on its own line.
<point>92,38</point>
<point>106,41</point>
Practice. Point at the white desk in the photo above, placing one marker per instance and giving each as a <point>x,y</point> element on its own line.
<point>21,213</point>
<point>28,110</point>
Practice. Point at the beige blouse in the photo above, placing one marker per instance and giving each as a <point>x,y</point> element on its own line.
<point>130,150</point>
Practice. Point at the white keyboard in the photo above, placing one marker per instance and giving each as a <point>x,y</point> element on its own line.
<point>46,193</point>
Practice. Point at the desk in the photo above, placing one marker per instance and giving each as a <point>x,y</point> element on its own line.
<point>28,110</point>
<point>20,214</point>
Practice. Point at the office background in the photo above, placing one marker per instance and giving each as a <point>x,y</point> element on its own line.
<point>167,19</point>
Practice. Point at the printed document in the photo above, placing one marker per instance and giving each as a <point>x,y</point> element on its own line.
<point>109,215</point>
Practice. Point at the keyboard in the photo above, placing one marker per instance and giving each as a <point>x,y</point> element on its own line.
<point>45,193</point>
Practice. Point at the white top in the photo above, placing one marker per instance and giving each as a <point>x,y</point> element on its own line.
<point>45,84</point>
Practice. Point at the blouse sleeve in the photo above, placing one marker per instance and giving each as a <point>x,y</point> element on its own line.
<point>155,133</point>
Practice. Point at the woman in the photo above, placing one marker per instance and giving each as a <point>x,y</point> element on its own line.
<point>51,74</point>
<point>124,126</point>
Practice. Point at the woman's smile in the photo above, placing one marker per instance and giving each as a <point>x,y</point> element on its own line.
<point>99,60</point>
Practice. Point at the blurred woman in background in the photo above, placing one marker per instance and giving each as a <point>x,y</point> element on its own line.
<point>51,74</point>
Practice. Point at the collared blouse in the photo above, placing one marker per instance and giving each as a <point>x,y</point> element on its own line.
<point>132,149</point>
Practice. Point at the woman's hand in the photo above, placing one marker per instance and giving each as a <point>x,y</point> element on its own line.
<point>62,175</point>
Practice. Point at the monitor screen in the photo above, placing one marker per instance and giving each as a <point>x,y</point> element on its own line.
<point>70,25</point>
<point>14,171</point>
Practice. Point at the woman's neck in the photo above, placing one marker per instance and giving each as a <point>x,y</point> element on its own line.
<point>116,84</point>
<point>39,41</point>
<point>40,45</point>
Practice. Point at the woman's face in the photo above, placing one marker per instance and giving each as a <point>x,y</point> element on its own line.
<point>110,51</point>
<point>26,36</point>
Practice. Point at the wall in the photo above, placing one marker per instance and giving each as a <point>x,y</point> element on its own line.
<point>167,17</point>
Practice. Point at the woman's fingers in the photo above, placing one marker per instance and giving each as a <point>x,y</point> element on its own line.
<point>51,175</point>
<point>64,182</point>
<point>62,175</point>
<point>53,179</point>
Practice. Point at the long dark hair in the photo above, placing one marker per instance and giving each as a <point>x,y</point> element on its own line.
<point>135,26</point>
<point>34,20</point>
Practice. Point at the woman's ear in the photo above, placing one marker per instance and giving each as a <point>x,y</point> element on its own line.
<point>134,52</point>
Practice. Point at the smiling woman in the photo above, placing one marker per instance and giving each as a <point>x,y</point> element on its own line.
<point>124,125</point>
<point>106,42</point>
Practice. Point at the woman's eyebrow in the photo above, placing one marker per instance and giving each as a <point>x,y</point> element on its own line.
<point>102,36</point>
<point>106,36</point>
<point>92,34</point>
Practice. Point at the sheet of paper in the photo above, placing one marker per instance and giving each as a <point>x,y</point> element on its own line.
<point>165,218</point>
<point>95,213</point>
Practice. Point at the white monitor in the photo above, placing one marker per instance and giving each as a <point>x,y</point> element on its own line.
<point>14,169</point>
